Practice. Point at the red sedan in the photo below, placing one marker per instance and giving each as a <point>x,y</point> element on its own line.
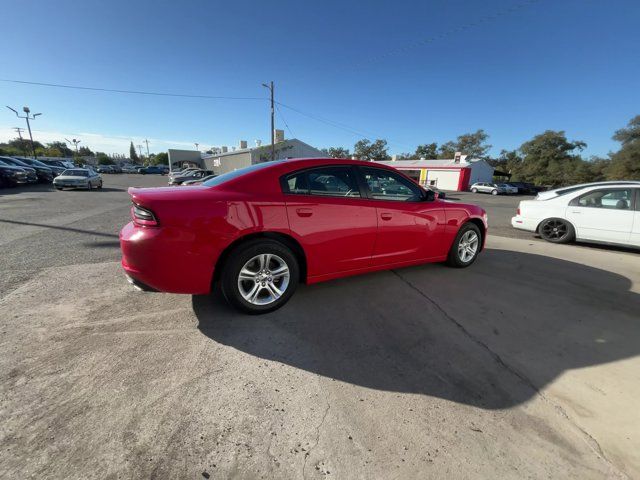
<point>261,230</point>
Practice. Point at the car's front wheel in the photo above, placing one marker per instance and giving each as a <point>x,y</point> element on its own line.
<point>466,246</point>
<point>494,192</point>
<point>260,276</point>
<point>474,190</point>
<point>556,230</point>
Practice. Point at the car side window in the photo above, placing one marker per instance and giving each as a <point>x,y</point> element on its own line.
<point>616,199</point>
<point>386,185</point>
<point>325,182</point>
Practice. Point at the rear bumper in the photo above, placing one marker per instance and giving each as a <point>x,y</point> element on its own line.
<point>166,259</point>
<point>523,223</point>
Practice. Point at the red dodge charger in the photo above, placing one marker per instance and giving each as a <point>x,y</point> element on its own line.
<point>261,230</point>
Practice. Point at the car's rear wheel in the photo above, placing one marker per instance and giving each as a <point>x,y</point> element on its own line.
<point>474,190</point>
<point>100,184</point>
<point>260,276</point>
<point>556,230</point>
<point>494,192</point>
<point>466,246</point>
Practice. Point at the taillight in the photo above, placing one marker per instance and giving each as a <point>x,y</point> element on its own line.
<point>518,211</point>
<point>142,216</point>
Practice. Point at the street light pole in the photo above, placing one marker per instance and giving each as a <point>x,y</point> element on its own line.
<point>273,126</point>
<point>147,142</point>
<point>27,117</point>
<point>196,144</point>
<point>20,130</point>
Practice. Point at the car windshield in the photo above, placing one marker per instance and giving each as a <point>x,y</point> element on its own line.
<point>225,177</point>
<point>75,173</point>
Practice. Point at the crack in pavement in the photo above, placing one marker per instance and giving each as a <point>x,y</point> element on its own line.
<point>308,454</point>
<point>593,444</point>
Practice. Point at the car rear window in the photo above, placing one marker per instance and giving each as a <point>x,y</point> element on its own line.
<point>76,173</point>
<point>225,177</point>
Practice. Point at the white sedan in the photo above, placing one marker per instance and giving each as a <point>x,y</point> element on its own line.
<point>597,213</point>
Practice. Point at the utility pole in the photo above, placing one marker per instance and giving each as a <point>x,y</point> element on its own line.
<point>147,142</point>
<point>140,152</point>
<point>19,131</point>
<point>273,125</point>
<point>27,117</point>
<point>196,144</point>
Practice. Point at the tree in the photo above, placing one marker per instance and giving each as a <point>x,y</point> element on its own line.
<point>133,154</point>
<point>549,159</point>
<point>338,152</point>
<point>61,147</point>
<point>427,151</point>
<point>161,158</point>
<point>85,152</point>
<point>365,150</point>
<point>625,163</point>
<point>629,134</point>
<point>474,144</point>
<point>103,158</point>
<point>471,144</point>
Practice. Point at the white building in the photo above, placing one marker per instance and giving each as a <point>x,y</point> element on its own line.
<point>227,161</point>
<point>455,174</point>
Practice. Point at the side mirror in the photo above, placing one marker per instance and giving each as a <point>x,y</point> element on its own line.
<point>429,196</point>
<point>441,195</point>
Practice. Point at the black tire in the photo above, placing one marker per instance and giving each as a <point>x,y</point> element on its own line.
<point>454,259</point>
<point>556,230</point>
<point>245,253</point>
<point>474,190</point>
<point>58,188</point>
<point>494,192</point>
<point>89,186</point>
<point>100,184</point>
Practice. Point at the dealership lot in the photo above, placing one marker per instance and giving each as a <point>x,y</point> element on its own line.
<point>524,365</point>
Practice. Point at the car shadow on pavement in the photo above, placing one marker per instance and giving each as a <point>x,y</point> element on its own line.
<point>59,227</point>
<point>489,336</point>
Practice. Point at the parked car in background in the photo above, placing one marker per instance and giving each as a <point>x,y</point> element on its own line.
<point>129,169</point>
<point>260,230</point>
<point>525,188</point>
<point>32,177</point>
<point>116,168</point>
<point>557,192</point>
<point>104,169</point>
<point>57,163</point>
<point>78,178</point>
<point>192,175</point>
<point>484,187</point>
<point>198,181</point>
<point>182,173</point>
<point>152,169</point>
<point>43,174</point>
<point>11,176</point>
<point>608,213</point>
<point>508,188</point>
<point>37,163</point>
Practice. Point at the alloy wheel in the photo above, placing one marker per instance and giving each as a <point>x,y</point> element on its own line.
<point>554,229</point>
<point>468,246</point>
<point>263,279</point>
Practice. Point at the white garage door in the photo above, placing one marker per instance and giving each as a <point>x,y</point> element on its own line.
<point>443,179</point>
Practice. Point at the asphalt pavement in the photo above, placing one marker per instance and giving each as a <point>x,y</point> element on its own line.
<point>522,366</point>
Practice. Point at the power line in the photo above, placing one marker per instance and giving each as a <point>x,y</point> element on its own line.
<point>283,120</point>
<point>326,121</point>
<point>446,33</point>
<point>341,126</point>
<point>131,92</point>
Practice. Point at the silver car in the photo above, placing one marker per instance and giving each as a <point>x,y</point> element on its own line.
<point>484,187</point>
<point>78,178</point>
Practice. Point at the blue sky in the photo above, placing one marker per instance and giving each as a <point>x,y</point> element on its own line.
<point>395,70</point>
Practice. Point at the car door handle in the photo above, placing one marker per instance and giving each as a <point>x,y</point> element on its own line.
<point>304,212</point>
<point>386,216</point>
<point>575,211</point>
